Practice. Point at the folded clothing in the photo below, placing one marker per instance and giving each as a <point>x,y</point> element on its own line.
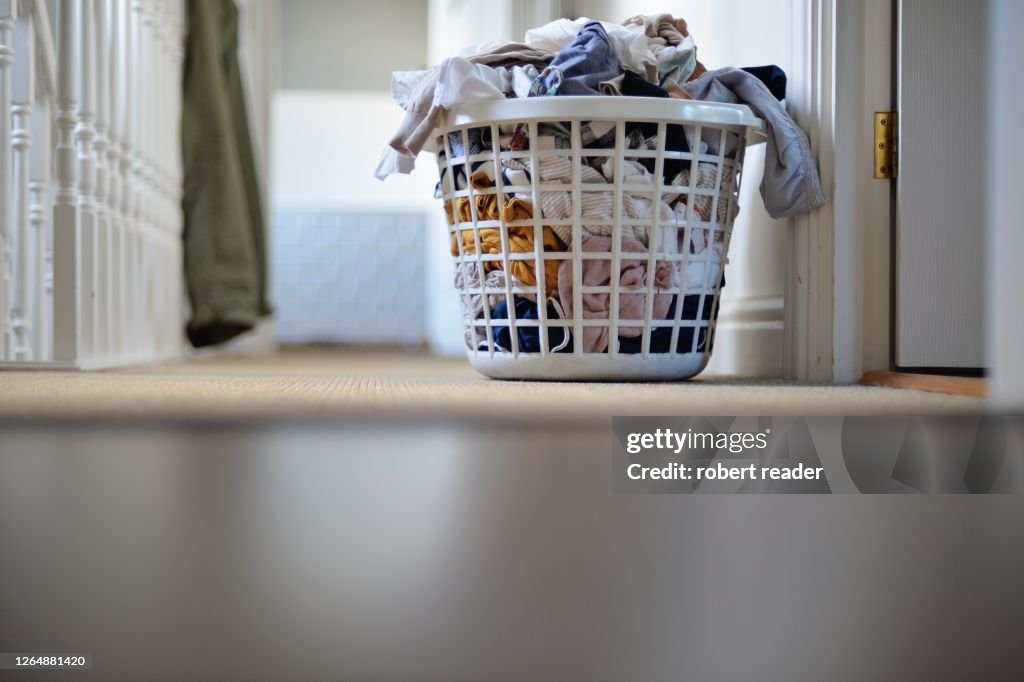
<point>790,185</point>
<point>579,67</point>
<point>628,84</point>
<point>520,240</point>
<point>597,209</point>
<point>650,55</point>
<point>773,78</point>
<point>596,306</point>
<point>708,182</point>
<point>559,338</point>
<point>661,337</point>
<point>631,46</point>
<point>597,273</point>
<point>672,46</point>
<point>467,277</point>
<point>425,96</point>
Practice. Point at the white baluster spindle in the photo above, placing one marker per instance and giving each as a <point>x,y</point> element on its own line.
<point>66,269</point>
<point>20,236</point>
<point>8,12</point>
<point>85,136</point>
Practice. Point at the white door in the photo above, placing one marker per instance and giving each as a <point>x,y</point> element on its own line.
<point>939,262</point>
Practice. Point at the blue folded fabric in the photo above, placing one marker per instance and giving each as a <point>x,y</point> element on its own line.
<point>772,76</point>
<point>559,338</point>
<point>580,66</point>
<point>661,337</point>
<point>637,86</point>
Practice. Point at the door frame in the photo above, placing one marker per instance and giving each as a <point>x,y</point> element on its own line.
<point>839,270</point>
<point>1005,240</point>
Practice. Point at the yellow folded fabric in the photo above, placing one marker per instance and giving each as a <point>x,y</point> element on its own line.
<point>486,204</point>
<point>520,240</point>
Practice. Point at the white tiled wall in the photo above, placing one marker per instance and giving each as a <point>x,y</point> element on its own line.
<point>349,277</point>
<point>325,148</point>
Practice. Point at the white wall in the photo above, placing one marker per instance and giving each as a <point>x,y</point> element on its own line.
<point>737,33</point>
<point>350,44</point>
<point>348,250</point>
<point>325,149</point>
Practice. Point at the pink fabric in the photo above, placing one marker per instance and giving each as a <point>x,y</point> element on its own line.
<point>632,273</point>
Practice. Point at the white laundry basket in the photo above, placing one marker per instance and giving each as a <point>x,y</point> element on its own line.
<point>592,165</point>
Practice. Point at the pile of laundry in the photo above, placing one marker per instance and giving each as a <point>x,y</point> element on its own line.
<point>645,56</point>
<point>485,277</point>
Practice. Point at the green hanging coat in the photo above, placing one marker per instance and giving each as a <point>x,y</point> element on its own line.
<point>224,236</point>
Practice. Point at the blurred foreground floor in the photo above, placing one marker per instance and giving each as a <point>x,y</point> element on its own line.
<point>419,550</point>
<point>324,383</point>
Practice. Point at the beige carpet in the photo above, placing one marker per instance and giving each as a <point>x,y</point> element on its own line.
<point>315,383</point>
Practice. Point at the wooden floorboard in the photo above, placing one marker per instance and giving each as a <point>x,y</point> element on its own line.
<point>932,383</point>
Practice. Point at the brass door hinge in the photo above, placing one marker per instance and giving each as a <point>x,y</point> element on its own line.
<point>886,141</point>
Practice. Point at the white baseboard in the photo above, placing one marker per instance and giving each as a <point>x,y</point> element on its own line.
<point>749,338</point>
<point>121,361</point>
